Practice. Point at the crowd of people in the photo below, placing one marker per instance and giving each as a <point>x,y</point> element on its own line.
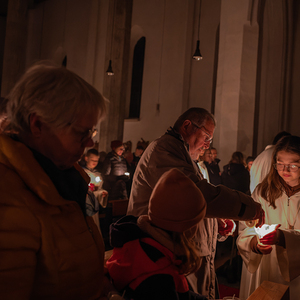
<point>54,184</point>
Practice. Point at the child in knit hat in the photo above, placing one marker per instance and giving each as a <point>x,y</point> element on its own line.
<point>153,253</point>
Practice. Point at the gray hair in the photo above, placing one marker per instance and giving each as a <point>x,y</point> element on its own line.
<point>195,114</point>
<point>57,95</point>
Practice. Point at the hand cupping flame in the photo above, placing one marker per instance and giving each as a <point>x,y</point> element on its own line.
<point>265,229</point>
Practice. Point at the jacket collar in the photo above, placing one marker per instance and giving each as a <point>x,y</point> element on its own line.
<point>20,159</point>
<point>171,131</point>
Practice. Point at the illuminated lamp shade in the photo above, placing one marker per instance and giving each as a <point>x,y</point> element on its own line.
<point>110,71</point>
<point>197,55</point>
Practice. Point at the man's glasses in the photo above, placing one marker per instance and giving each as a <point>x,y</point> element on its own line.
<point>290,168</point>
<point>208,138</point>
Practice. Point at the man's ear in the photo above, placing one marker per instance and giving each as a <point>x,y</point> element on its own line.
<point>186,128</point>
<point>85,158</point>
<point>35,125</point>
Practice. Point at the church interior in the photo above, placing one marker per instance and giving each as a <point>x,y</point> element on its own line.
<point>247,76</point>
<point>152,60</point>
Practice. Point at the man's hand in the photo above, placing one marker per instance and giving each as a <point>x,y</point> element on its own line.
<point>226,227</point>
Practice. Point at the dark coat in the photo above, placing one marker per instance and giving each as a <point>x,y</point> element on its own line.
<point>170,151</point>
<point>113,172</point>
<point>213,171</point>
<point>236,177</point>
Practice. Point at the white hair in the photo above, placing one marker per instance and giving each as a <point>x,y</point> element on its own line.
<point>58,96</point>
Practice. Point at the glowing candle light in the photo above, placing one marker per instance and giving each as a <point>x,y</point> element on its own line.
<point>264,230</point>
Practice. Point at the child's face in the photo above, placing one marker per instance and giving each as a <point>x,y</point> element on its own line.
<point>92,161</point>
<point>288,159</point>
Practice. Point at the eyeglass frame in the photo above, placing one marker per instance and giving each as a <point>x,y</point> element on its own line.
<point>85,136</point>
<point>207,140</point>
<point>288,167</point>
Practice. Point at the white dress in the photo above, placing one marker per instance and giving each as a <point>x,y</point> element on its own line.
<point>281,265</point>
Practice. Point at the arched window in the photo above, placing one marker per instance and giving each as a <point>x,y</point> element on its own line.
<point>137,78</point>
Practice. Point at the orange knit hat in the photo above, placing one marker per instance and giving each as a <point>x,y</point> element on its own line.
<point>176,203</point>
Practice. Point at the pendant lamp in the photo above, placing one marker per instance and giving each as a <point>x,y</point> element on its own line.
<point>197,55</point>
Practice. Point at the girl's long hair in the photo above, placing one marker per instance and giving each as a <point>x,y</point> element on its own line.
<point>189,253</point>
<point>271,187</point>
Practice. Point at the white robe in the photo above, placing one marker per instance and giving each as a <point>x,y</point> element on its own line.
<point>261,167</point>
<point>281,265</point>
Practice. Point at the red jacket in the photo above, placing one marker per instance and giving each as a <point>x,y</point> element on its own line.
<point>130,265</point>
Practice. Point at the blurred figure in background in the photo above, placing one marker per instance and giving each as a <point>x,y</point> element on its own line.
<point>235,175</point>
<point>97,196</point>
<point>201,165</point>
<point>211,231</point>
<point>212,168</point>
<point>115,172</point>
<point>249,162</point>
<point>115,176</point>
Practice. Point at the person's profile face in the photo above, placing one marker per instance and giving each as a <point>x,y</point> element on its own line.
<point>92,161</point>
<point>214,154</point>
<point>207,156</point>
<point>250,163</point>
<point>120,150</point>
<point>139,152</point>
<point>65,146</point>
<point>201,136</point>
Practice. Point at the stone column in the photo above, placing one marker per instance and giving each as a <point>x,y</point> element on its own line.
<point>115,87</point>
<point>230,110</point>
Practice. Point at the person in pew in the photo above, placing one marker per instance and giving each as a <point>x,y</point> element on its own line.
<point>97,197</point>
<point>115,172</point>
<point>91,158</point>
<point>212,166</point>
<point>153,253</point>
<point>50,248</point>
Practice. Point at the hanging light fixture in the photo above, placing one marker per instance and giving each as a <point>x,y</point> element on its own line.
<point>197,55</point>
<point>109,70</point>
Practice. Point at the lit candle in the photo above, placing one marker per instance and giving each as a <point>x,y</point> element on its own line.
<point>264,230</point>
